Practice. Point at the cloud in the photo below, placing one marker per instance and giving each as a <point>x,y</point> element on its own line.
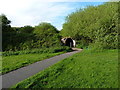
<point>32,12</point>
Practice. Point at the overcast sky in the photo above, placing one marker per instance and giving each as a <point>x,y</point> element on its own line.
<point>33,12</point>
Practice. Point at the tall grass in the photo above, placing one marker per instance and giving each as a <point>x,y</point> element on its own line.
<point>38,50</point>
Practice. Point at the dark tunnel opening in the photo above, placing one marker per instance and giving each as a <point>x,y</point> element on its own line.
<point>69,42</point>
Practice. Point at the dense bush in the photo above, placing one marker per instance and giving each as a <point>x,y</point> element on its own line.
<point>94,24</point>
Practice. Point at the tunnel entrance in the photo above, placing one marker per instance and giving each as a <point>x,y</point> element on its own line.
<point>68,42</point>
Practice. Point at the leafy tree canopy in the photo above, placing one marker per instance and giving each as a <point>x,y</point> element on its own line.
<point>45,29</point>
<point>94,24</point>
<point>5,23</point>
<point>26,29</point>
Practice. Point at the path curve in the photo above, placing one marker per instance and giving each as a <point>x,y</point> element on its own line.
<point>18,75</point>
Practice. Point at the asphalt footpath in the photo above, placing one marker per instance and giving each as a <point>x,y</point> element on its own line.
<point>20,74</point>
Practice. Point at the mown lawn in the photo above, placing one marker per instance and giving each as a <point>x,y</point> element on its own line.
<point>82,70</point>
<point>13,62</point>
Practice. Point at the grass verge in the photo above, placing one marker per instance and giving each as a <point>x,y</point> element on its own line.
<point>10,63</point>
<point>82,70</point>
<point>14,60</point>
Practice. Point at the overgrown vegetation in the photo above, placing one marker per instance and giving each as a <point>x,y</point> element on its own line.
<point>82,70</point>
<point>44,35</point>
<point>95,25</point>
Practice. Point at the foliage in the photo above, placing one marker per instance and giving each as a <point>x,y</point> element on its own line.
<point>82,70</point>
<point>5,23</point>
<point>26,29</point>
<point>45,29</point>
<point>26,38</point>
<point>46,35</point>
<point>6,31</point>
<point>94,24</point>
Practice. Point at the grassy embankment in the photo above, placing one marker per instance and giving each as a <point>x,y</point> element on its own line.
<point>83,70</point>
<point>15,60</point>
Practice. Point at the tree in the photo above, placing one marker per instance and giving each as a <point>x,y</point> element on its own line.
<point>26,29</point>
<point>6,32</point>
<point>46,35</point>
<point>5,23</point>
<point>45,28</point>
<point>94,24</point>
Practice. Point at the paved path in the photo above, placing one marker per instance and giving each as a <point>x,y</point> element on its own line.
<point>18,75</point>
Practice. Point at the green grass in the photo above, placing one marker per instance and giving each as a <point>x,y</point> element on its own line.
<point>38,50</point>
<point>82,70</point>
<point>13,62</point>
